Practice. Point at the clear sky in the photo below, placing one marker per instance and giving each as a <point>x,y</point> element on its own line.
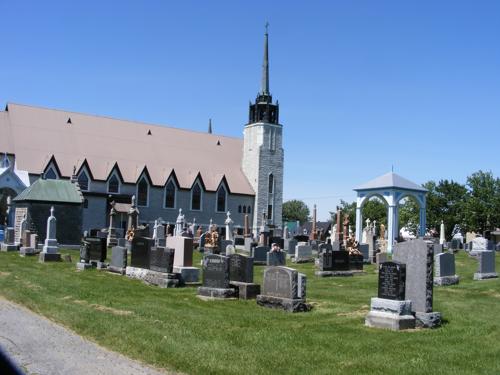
<point>362,85</point>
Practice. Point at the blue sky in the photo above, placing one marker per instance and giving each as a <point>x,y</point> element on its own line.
<point>362,85</point>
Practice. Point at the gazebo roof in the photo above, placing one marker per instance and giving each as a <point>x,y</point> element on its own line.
<point>390,180</point>
<point>58,191</point>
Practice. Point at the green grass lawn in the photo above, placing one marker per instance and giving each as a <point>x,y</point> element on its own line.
<point>173,329</point>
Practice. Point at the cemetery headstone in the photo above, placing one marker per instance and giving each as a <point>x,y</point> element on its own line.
<point>444,269</point>
<point>183,259</point>
<point>259,254</point>
<point>216,278</point>
<point>283,288</point>
<point>356,262</point>
<point>419,260</point>
<point>289,246</point>
<point>141,250</point>
<point>50,250</point>
<point>162,259</point>
<point>391,309</point>
<point>118,259</point>
<point>276,258</point>
<point>303,253</point>
<point>241,276</point>
<point>486,265</point>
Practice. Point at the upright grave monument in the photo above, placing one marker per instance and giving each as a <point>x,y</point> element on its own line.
<point>444,269</point>
<point>216,283</point>
<point>50,252</point>
<point>486,265</point>
<point>419,260</point>
<point>391,309</point>
<point>284,288</point>
<point>241,276</point>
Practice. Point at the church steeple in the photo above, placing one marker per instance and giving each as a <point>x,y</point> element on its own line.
<point>264,88</point>
<point>264,110</point>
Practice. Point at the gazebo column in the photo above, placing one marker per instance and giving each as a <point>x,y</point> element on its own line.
<point>359,223</point>
<point>392,224</point>
<point>422,221</point>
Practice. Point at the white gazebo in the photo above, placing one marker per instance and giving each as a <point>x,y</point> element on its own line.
<point>390,188</point>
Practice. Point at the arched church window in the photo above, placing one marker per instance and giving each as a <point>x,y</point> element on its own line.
<point>170,195</point>
<point>142,192</point>
<point>83,181</point>
<point>196,197</point>
<point>221,199</point>
<point>114,184</point>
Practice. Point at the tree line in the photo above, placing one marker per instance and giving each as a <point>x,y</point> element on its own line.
<point>475,206</point>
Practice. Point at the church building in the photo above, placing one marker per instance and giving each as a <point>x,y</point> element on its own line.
<point>165,168</point>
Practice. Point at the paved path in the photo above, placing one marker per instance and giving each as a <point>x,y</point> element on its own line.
<point>42,347</point>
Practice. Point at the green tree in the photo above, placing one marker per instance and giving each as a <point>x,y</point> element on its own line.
<point>409,215</point>
<point>482,206</point>
<point>375,209</point>
<point>294,210</point>
<point>445,201</point>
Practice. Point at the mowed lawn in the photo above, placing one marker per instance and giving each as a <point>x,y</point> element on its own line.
<point>172,329</point>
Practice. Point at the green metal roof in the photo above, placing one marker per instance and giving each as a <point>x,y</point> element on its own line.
<point>63,191</point>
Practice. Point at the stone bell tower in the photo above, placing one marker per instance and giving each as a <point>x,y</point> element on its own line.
<point>263,153</point>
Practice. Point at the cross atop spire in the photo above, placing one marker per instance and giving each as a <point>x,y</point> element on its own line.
<point>264,88</point>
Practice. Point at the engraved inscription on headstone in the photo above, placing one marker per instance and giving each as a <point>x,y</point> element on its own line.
<point>392,280</point>
<point>216,271</point>
<point>280,282</point>
<point>240,268</point>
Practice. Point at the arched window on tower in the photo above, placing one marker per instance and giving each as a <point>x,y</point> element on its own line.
<point>221,199</point>
<point>196,197</point>
<point>142,192</point>
<point>271,184</point>
<point>170,195</point>
<point>244,209</point>
<point>249,210</point>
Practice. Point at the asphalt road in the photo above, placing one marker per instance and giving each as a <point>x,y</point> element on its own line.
<point>39,346</point>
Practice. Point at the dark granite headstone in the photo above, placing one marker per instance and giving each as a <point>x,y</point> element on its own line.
<point>364,248</point>
<point>340,261</point>
<point>240,268</point>
<point>301,238</point>
<point>216,271</point>
<point>456,244</point>
<point>325,261</point>
<point>290,245</point>
<point>96,247</point>
<point>239,241</point>
<point>392,280</point>
<point>356,262</point>
<point>141,252</point>
<point>161,259</point>
<point>276,258</point>
<point>260,253</point>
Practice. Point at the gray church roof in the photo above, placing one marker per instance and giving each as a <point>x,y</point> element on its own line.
<point>36,135</point>
<point>390,180</point>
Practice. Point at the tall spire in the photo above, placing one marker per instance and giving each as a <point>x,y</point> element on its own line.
<point>264,89</point>
<point>209,126</point>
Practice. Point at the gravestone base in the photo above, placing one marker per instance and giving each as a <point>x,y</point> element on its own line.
<point>485,276</point>
<point>188,275</point>
<point>289,305</point>
<point>207,293</point>
<point>99,265</point>
<point>81,266</point>
<point>427,320</point>
<point>390,314</point>
<point>246,290</point>
<point>49,257</point>
<point>9,247</point>
<point>302,260</point>
<point>446,280</point>
<point>161,279</point>
<point>28,251</point>
<point>334,273</point>
<point>114,269</point>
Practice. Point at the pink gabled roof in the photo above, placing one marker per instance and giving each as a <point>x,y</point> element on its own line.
<point>36,134</point>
